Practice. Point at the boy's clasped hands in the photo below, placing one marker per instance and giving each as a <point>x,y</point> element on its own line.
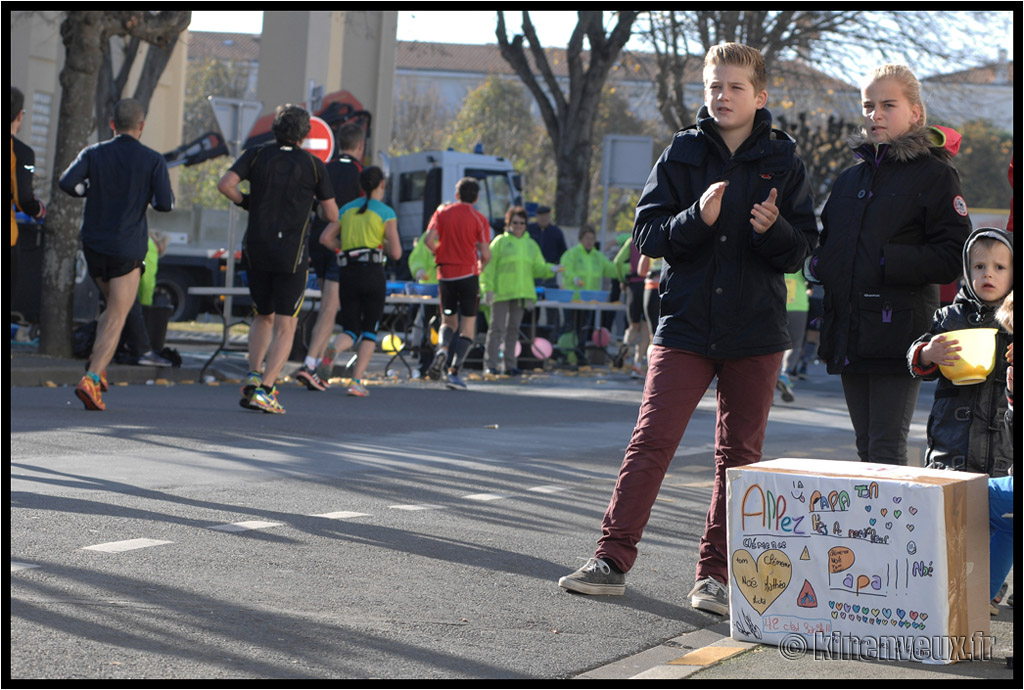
<point>763,215</point>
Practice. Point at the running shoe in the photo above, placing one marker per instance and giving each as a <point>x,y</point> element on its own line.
<point>310,378</point>
<point>266,400</point>
<point>596,577</point>
<point>453,382</point>
<point>785,388</point>
<point>253,382</point>
<point>437,366</point>
<point>88,391</point>
<point>103,377</point>
<point>358,390</point>
<point>152,359</point>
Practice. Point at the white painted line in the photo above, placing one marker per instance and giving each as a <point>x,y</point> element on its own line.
<point>341,515</point>
<point>417,506</point>
<point>126,545</point>
<point>548,489</point>
<point>485,497</point>
<point>15,566</point>
<point>245,526</point>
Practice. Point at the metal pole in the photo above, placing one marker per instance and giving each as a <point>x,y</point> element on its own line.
<point>229,279</point>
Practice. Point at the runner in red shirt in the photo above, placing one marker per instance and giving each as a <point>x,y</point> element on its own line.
<point>459,236</point>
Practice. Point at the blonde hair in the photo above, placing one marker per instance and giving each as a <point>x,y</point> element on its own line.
<point>742,56</point>
<point>905,78</point>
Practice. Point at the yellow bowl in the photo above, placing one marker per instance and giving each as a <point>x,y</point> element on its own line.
<point>977,356</point>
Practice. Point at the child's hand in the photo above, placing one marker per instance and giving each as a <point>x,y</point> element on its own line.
<point>711,202</point>
<point>1009,354</point>
<point>764,214</point>
<point>940,351</point>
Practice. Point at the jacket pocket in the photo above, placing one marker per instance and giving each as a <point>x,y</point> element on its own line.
<point>885,324</point>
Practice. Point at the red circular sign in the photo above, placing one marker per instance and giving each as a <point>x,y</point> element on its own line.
<point>320,140</point>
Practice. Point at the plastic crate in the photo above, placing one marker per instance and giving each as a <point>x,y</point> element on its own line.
<point>396,287</point>
<point>428,289</point>
<point>594,295</point>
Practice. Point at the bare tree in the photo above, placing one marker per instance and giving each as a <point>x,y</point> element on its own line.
<point>569,118</point>
<point>111,88</point>
<point>834,42</point>
<point>85,35</point>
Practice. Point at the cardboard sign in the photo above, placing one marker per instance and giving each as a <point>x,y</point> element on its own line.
<point>859,559</point>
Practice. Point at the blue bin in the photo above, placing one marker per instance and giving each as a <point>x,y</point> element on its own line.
<point>396,287</point>
<point>594,295</point>
<point>557,295</point>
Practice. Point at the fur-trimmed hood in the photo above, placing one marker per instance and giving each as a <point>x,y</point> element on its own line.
<point>942,143</point>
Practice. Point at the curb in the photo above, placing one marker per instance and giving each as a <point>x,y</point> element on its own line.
<point>674,659</point>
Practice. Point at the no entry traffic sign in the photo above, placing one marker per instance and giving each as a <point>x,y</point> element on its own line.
<point>320,140</point>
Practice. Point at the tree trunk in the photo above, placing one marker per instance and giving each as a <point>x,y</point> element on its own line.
<point>569,119</point>
<point>84,34</point>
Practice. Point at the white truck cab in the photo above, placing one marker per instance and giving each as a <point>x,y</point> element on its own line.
<point>420,182</point>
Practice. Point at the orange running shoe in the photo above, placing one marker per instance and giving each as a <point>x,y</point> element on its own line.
<point>88,391</point>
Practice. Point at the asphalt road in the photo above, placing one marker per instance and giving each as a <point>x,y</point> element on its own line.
<point>417,533</point>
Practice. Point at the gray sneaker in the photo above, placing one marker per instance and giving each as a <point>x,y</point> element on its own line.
<point>710,595</point>
<point>596,577</point>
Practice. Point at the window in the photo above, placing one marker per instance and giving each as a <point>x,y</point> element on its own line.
<point>410,186</point>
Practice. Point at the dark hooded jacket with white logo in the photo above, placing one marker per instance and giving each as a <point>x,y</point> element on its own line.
<point>892,232</point>
<point>966,428</point>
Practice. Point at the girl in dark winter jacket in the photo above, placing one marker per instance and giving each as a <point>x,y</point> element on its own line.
<point>966,429</point>
<point>892,232</point>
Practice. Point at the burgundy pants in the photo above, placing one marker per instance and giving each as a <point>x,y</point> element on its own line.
<point>676,381</point>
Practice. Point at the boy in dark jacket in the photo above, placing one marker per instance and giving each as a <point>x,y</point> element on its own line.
<point>728,206</point>
<point>965,428</point>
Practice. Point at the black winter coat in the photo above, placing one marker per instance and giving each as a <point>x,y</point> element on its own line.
<point>892,232</point>
<point>723,290</point>
<point>966,428</point>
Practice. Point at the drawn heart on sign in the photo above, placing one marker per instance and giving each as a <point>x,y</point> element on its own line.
<point>883,511</point>
<point>763,579</point>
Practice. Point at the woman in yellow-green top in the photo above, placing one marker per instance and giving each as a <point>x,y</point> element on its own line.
<point>585,267</point>
<point>507,284</point>
<point>367,226</point>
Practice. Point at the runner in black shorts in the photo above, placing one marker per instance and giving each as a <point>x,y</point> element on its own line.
<point>460,238</point>
<point>277,293</point>
<point>460,297</point>
<point>369,228</point>
<point>284,181</point>
<point>344,173</point>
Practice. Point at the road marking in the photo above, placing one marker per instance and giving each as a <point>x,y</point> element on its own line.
<point>341,515</point>
<point>245,526</point>
<point>417,506</point>
<point>126,545</point>
<point>485,497</point>
<point>15,565</point>
<point>706,656</point>
<point>548,489</point>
